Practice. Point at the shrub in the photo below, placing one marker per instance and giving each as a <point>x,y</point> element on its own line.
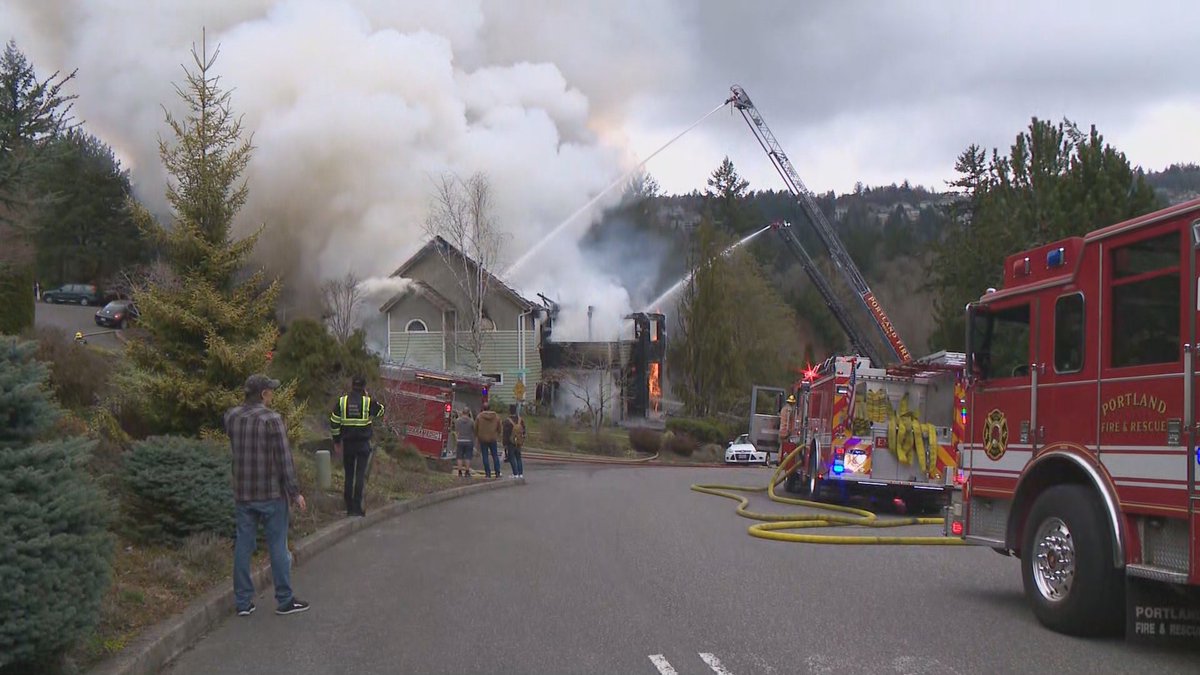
<point>645,440</point>
<point>320,365</point>
<point>406,455</point>
<point>176,487</point>
<point>701,430</point>
<point>16,297</point>
<point>79,375</point>
<point>555,432</point>
<point>681,444</point>
<point>26,406</point>
<point>601,444</point>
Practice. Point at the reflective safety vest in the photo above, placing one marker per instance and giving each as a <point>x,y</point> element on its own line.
<point>352,417</point>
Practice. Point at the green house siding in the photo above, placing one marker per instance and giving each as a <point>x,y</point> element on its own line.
<point>501,355</point>
<point>418,349</point>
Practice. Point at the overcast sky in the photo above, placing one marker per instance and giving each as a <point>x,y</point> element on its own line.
<point>356,104</point>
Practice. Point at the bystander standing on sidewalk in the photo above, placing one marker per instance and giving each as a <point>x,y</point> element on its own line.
<point>487,432</point>
<point>514,439</point>
<point>264,482</point>
<point>464,435</point>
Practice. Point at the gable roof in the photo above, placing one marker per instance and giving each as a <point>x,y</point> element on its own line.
<point>432,246</point>
<point>421,288</point>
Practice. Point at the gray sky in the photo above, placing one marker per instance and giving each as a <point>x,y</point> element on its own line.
<point>356,105</point>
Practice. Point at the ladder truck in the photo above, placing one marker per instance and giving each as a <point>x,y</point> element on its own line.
<point>877,422</point>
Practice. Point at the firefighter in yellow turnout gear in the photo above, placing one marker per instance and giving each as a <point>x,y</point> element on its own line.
<point>350,424</point>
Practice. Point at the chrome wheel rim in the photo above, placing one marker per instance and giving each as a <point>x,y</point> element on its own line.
<point>1054,560</point>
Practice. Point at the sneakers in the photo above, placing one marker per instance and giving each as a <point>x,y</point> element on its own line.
<point>293,607</point>
<point>248,611</point>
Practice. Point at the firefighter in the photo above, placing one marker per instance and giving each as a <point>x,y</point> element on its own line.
<point>350,425</point>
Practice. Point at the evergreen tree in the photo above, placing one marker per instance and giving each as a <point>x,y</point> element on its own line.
<point>53,523</point>
<point>83,226</point>
<point>32,112</point>
<point>704,335</point>
<point>1056,182</point>
<point>205,329</point>
<point>726,194</point>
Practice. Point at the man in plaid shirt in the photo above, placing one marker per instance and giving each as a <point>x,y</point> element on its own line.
<point>264,482</point>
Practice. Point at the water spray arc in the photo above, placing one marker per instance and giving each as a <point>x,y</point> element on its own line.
<point>688,277</point>
<point>533,250</point>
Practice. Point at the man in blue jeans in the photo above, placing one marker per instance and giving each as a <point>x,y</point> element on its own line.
<point>264,483</point>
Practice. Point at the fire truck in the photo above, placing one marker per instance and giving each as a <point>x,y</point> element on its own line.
<point>877,421</point>
<point>420,404</point>
<point>1080,456</point>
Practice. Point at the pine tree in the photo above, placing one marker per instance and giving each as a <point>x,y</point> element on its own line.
<point>205,328</point>
<point>32,112</point>
<point>703,339</point>
<point>726,194</point>
<point>53,523</point>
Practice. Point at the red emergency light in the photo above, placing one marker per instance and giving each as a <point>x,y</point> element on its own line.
<point>956,528</point>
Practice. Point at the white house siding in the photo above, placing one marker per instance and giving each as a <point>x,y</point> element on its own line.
<point>418,349</point>
<point>501,355</point>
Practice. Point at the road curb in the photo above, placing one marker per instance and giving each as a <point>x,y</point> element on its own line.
<point>170,638</point>
<point>648,461</point>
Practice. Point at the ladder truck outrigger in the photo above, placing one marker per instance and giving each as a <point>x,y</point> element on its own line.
<point>876,423</point>
<point>1082,453</point>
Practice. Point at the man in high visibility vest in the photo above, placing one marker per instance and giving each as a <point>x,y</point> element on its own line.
<point>350,424</point>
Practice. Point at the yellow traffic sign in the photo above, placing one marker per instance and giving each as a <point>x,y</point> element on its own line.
<point>519,390</point>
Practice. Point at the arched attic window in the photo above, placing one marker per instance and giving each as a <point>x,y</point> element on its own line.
<point>416,326</point>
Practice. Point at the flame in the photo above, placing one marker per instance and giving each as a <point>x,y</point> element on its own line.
<point>655,387</point>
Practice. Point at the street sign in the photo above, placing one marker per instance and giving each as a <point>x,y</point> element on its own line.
<point>519,390</point>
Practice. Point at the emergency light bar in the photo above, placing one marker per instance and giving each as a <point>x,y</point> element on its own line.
<point>1056,258</point>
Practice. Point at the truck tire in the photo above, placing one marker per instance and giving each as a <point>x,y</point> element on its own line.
<point>1067,564</point>
<point>791,483</point>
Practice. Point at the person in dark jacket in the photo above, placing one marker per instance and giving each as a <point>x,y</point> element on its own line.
<point>514,438</point>
<point>350,424</point>
<point>487,432</point>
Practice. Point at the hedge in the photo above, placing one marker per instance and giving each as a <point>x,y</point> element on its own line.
<point>704,431</point>
<point>16,299</point>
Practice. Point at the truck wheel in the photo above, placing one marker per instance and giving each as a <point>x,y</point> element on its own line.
<point>791,483</point>
<point>1067,564</point>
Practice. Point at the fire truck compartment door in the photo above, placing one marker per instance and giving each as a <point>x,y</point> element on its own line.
<point>884,464</point>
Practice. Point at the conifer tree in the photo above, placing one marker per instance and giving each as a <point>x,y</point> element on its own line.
<point>53,523</point>
<point>206,325</point>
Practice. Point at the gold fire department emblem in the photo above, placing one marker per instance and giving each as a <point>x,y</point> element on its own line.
<point>995,438</point>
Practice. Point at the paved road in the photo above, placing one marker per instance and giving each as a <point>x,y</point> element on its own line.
<point>74,318</point>
<point>618,570</point>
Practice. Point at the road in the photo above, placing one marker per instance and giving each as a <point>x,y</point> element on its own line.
<point>590,569</point>
<point>74,318</point>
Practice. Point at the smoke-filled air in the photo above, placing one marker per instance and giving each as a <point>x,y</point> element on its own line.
<point>356,108</point>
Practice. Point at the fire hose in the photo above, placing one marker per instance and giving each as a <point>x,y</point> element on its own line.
<point>775,525</point>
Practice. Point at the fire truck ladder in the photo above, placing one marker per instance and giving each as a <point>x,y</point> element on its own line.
<point>857,340</point>
<point>837,252</point>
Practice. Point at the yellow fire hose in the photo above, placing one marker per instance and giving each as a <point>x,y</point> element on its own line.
<point>774,523</point>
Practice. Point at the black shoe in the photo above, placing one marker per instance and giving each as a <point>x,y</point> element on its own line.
<point>248,611</point>
<point>293,607</point>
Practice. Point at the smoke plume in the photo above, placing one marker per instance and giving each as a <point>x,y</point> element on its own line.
<point>356,107</point>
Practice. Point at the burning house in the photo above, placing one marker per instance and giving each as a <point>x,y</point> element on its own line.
<point>620,379</point>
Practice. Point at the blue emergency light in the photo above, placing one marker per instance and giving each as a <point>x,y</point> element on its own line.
<point>1056,258</point>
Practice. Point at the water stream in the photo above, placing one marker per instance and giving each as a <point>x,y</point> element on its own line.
<point>654,304</point>
<point>533,250</point>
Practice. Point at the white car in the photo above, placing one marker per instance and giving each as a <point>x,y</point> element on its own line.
<point>742,451</point>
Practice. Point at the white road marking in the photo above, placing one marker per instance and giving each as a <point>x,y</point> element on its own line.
<point>714,663</point>
<point>663,665</point>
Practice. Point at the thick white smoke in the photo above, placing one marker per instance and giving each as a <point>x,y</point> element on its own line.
<point>356,107</point>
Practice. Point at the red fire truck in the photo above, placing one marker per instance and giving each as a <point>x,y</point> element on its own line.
<point>419,404</point>
<point>886,433</point>
<point>1081,450</point>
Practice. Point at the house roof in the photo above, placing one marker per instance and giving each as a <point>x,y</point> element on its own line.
<point>421,288</point>
<point>430,247</point>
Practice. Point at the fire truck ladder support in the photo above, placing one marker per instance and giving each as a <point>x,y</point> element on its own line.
<point>837,252</point>
<point>774,525</point>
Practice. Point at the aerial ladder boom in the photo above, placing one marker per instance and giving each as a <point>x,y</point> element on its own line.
<point>857,341</point>
<point>837,252</point>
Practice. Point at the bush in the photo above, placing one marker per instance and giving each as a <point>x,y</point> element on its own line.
<point>80,376</point>
<point>645,440</point>
<point>700,430</point>
<point>176,487</point>
<point>406,455</point>
<point>680,444</point>
<point>319,364</point>
<point>55,568</point>
<point>601,444</point>
<point>555,433</point>
<point>16,297</point>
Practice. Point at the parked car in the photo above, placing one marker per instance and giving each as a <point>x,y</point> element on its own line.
<point>117,314</point>
<point>78,294</point>
<point>742,451</point>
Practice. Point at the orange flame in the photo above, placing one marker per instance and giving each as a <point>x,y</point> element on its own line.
<point>655,387</point>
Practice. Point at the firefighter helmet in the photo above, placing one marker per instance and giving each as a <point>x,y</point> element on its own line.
<point>792,399</point>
